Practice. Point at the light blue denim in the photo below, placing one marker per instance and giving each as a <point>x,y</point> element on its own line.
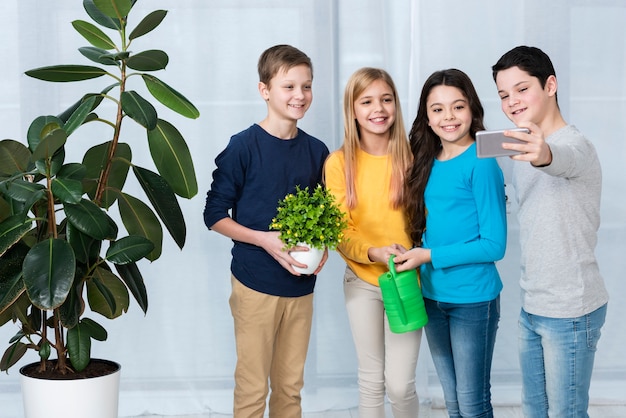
<point>556,357</point>
<point>461,338</point>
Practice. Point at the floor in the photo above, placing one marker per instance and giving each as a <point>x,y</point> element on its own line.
<point>595,411</point>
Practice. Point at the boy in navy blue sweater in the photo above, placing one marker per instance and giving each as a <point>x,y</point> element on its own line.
<point>271,306</point>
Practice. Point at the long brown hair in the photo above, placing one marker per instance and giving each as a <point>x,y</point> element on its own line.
<point>425,144</point>
<point>398,147</point>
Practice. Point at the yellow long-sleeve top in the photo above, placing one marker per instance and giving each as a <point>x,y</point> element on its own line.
<point>373,222</point>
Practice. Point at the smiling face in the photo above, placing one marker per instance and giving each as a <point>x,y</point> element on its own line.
<point>289,93</point>
<point>522,97</point>
<point>375,110</point>
<point>449,115</point>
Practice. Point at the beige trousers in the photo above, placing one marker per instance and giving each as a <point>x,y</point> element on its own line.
<point>272,337</point>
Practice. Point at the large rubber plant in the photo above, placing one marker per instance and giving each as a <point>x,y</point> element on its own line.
<point>61,249</point>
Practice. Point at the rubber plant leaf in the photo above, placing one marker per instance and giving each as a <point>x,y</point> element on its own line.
<point>98,55</point>
<point>81,243</point>
<point>73,307</point>
<point>164,203</point>
<point>74,171</point>
<point>95,159</point>
<point>79,116</point>
<point>96,330</point>
<point>20,190</point>
<point>67,113</point>
<point>89,219</point>
<point>14,157</point>
<point>172,158</point>
<point>79,346</point>
<point>66,73</point>
<point>133,279</point>
<point>49,145</point>
<point>148,24</point>
<point>49,272</point>
<point>114,8</point>
<point>93,34</point>
<point>129,249</point>
<point>11,284</point>
<point>12,355</point>
<point>12,229</point>
<point>39,128</point>
<point>152,60</point>
<point>108,288</point>
<point>140,220</point>
<point>139,109</point>
<point>170,97</point>
<point>100,17</point>
<point>67,190</point>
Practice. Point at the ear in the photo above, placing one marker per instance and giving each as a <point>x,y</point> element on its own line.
<point>264,91</point>
<point>551,85</point>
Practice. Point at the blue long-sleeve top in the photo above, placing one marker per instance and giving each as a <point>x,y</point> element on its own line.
<point>254,172</point>
<point>465,229</point>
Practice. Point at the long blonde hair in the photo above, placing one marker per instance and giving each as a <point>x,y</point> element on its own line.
<point>398,147</point>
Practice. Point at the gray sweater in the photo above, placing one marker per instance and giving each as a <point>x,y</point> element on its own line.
<point>559,216</point>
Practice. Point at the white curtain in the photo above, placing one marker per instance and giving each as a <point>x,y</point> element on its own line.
<point>179,358</point>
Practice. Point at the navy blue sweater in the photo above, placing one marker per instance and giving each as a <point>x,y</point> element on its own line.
<point>253,173</point>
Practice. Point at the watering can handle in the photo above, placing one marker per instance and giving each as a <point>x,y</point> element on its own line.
<point>392,265</point>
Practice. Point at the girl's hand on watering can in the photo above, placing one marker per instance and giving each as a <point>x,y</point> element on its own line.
<point>412,258</point>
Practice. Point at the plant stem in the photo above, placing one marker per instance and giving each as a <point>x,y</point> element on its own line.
<point>106,171</point>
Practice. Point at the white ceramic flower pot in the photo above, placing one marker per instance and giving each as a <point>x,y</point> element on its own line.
<point>95,397</point>
<point>311,258</point>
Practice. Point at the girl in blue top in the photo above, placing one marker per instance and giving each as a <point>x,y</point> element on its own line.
<point>458,226</point>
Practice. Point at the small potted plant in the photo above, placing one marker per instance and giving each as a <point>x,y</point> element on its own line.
<point>312,220</point>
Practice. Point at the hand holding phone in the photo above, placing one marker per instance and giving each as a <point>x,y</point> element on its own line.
<point>489,143</point>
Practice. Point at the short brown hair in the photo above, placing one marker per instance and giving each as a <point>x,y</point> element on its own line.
<point>280,57</point>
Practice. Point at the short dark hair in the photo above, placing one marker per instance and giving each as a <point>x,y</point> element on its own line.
<point>527,58</point>
<point>280,57</point>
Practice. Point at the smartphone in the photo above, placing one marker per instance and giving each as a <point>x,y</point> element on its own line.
<point>489,143</point>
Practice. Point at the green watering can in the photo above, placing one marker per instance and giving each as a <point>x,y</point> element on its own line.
<point>402,298</point>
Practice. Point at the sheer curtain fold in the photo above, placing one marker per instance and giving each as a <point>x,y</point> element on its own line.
<point>179,358</point>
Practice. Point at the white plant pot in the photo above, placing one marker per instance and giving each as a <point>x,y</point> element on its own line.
<point>311,258</point>
<point>95,397</point>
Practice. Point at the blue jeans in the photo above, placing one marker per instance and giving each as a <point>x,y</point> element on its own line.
<point>556,357</point>
<point>461,338</point>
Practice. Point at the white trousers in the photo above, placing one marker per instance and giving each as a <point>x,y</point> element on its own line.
<point>387,361</point>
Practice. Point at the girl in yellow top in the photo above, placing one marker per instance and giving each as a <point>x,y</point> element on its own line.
<point>366,175</point>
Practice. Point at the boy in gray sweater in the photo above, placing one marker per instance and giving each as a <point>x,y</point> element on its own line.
<point>558,182</point>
